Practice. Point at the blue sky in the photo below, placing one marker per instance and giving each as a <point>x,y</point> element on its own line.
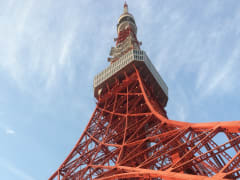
<point>50,51</point>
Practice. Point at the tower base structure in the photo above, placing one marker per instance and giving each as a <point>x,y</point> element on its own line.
<point>129,136</point>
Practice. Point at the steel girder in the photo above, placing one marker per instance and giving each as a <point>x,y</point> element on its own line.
<point>129,136</point>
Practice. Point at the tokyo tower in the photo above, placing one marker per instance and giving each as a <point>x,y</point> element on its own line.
<point>129,135</point>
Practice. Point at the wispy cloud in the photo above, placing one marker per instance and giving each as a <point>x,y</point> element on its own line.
<point>66,45</point>
<point>178,107</point>
<point>11,168</point>
<point>19,173</point>
<point>64,61</point>
<point>202,53</point>
<point>35,47</point>
<point>219,77</point>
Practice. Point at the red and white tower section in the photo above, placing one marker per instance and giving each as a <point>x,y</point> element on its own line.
<point>129,135</point>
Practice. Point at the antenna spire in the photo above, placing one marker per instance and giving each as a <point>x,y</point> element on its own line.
<point>125,7</point>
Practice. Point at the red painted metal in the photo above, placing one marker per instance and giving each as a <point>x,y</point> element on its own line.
<point>125,5</point>
<point>129,136</point>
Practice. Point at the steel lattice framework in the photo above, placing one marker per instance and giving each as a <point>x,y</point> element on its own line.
<point>129,136</point>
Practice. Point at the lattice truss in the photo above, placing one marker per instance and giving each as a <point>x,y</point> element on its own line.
<point>130,137</point>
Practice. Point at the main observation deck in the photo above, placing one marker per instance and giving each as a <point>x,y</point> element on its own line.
<point>140,60</point>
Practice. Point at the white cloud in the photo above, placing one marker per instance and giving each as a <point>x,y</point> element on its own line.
<point>6,129</point>
<point>9,131</point>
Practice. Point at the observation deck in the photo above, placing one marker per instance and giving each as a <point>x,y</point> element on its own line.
<point>124,64</point>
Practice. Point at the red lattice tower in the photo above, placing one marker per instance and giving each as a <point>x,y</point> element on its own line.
<point>129,135</point>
